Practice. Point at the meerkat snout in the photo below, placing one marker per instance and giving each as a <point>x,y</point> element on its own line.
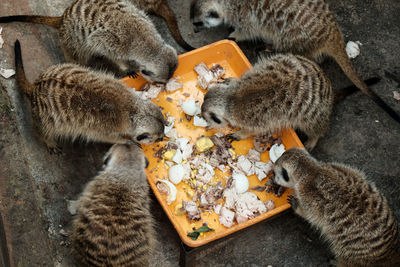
<point>162,67</point>
<point>214,106</point>
<point>206,14</point>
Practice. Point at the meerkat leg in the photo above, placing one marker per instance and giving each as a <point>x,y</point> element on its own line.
<point>236,36</point>
<point>51,144</point>
<point>294,202</point>
<point>239,135</point>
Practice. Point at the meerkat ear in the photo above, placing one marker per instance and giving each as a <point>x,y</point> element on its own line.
<point>285,175</point>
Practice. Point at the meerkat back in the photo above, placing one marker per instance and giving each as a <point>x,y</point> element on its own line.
<point>71,101</point>
<point>113,225</point>
<point>303,27</point>
<point>351,213</point>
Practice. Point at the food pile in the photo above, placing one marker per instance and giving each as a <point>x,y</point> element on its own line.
<point>214,176</point>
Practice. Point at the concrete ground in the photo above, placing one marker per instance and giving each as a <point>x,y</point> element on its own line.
<point>35,186</point>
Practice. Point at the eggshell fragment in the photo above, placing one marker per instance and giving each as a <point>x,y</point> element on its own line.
<point>166,187</point>
<point>276,151</point>
<point>353,49</point>
<point>199,122</point>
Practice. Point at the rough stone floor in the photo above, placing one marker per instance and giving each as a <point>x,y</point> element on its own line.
<point>35,185</point>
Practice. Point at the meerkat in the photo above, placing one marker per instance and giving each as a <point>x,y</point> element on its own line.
<point>113,31</point>
<point>161,8</point>
<point>280,92</point>
<point>349,210</point>
<point>113,225</point>
<point>302,27</point>
<point>71,101</point>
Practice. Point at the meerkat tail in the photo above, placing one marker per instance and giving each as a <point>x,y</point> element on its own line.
<point>346,65</point>
<point>345,92</point>
<point>54,22</point>
<point>165,12</point>
<point>22,82</point>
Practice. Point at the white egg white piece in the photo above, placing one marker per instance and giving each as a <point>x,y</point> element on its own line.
<point>241,182</point>
<point>276,151</point>
<point>353,49</point>
<point>176,173</point>
<point>190,107</point>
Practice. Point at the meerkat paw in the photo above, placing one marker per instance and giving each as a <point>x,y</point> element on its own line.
<point>235,36</point>
<point>239,135</point>
<point>226,80</point>
<point>132,75</point>
<point>232,137</point>
<point>56,150</point>
<point>293,201</point>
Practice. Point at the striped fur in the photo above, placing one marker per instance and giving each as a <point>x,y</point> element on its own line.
<point>112,35</point>
<point>113,225</point>
<point>303,27</point>
<point>70,101</point>
<point>348,209</point>
<point>279,92</point>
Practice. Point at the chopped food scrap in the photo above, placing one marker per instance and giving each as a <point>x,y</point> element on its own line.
<point>276,151</point>
<point>226,217</point>
<point>150,91</point>
<point>353,49</point>
<point>193,212</point>
<point>241,182</point>
<point>248,206</point>
<point>190,107</point>
<point>1,38</point>
<point>259,188</point>
<point>208,76</point>
<point>169,154</point>
<point>396,95</point>
<point>195,234</point>
<point>204,143</point>
<point>264,142</point>
<point>167,188</point>
<point>176,173</point>
<point>173,85</point>
<point>7,73</point>
<point>199,121</point>
<point>179,210</point>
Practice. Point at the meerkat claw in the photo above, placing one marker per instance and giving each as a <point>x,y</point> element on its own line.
<point>231,138</point>
<point>133,75</point>
<point>293,201</point>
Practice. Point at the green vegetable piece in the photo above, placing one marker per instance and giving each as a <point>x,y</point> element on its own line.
<point>195,234</point>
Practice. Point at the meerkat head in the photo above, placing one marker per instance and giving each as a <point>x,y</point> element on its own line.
<point>129,155</point>
<point>162,65</point>
<point>147,124</point>
<point>206,14</point>
<point>213,109</point>
<point>287,166</point>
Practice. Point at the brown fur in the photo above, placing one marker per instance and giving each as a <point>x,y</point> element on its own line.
<point>70,101</point>
<point>161,8</point>
<point>113,225</point>
<point>112,32</point>
<point>349,210</point>
<point>279,92</point>
<point>303,27</point>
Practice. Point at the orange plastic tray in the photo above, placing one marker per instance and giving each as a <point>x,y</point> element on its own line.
<point>228,55</point>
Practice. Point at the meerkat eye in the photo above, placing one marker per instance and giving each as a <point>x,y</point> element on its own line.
<point>215,118</point>
<point>213,14</point>
<point>142,137</point>
<point>147,73</point>
<point>285,175</point>
<point>106,159</point>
